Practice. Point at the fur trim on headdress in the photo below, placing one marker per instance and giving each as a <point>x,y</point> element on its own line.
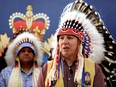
<point>17,78</point>
<point>24,37</point>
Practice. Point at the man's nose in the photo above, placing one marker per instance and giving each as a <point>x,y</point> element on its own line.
<point>65,40</point>
<point>26,52</point>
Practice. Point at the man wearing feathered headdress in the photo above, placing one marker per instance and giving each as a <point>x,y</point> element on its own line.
<point>24,59</point>
<point>78,44</point>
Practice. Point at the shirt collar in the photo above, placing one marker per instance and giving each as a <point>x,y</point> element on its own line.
<point>74,63</point>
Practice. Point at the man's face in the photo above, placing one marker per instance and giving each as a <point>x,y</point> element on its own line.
<point>68,45</point>
<point>26,55</point>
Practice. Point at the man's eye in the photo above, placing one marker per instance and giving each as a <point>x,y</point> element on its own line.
<point>70,37</point>
<point>61,38</point>
<point>30,51</point>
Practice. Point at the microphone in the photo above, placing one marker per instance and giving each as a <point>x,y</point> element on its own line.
<point>71,71</point>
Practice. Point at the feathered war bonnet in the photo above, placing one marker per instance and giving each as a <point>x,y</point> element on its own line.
<point>75,20</point>
<point>100,47</point>
<point>24,39</point>
<point>80,19</point>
